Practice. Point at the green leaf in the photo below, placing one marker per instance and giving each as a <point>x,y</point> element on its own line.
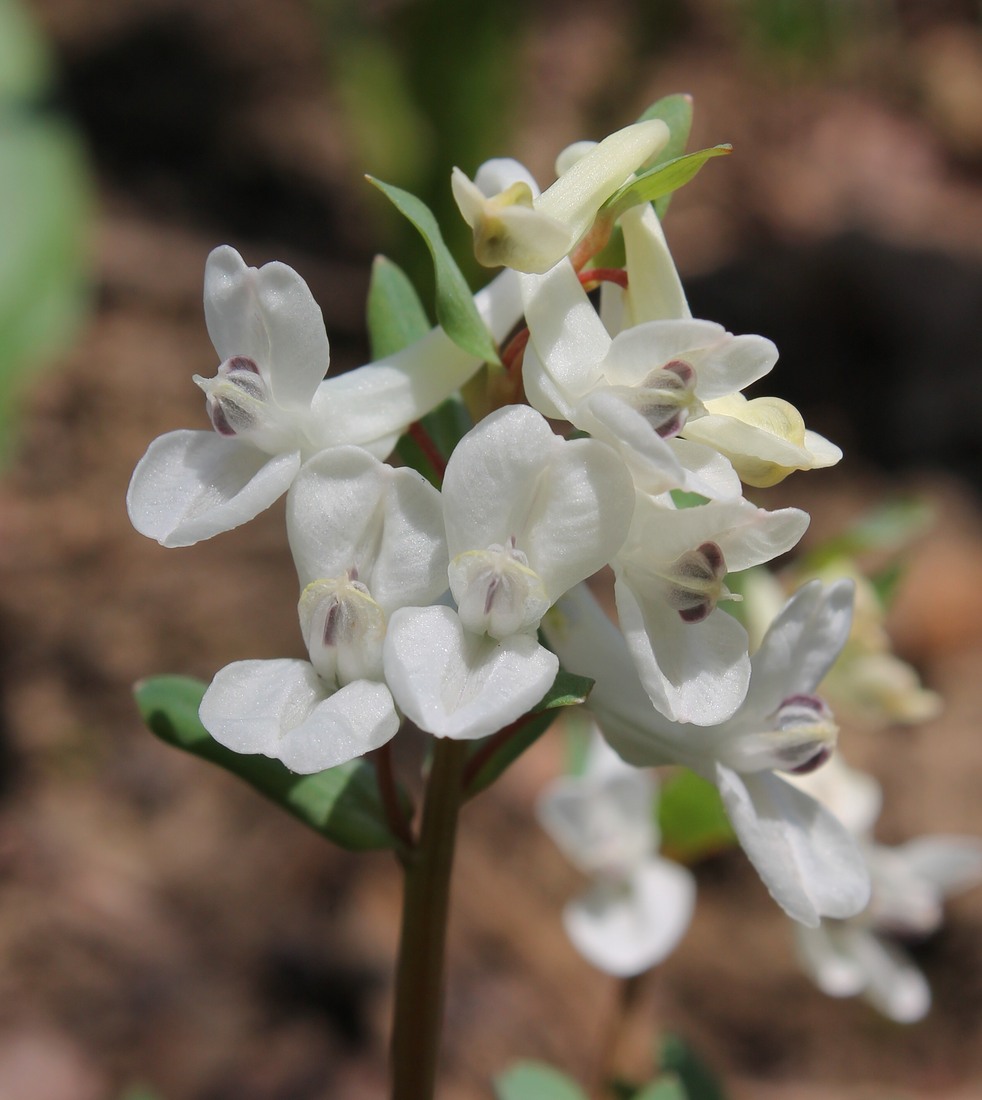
<point>455,309</point>
<point>396,317</point>
<point>567,691</point>
<point>45,206</point>
<point>342,804</point>
<point>536,1081</point>
<point>668,1087</point>
<point>698,1080</point>
<point>691,818</point>
<point>676,112</point>
<point>663,180</point>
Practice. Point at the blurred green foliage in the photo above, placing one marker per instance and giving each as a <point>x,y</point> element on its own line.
<point>45,205</point>
<point>425,86</point>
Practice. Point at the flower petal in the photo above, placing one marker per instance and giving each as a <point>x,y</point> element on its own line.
<point>565,330</point>
<point>348,511</point>
<point>270,316</point>
<point>452,683</point>
<point>624,928</point>
<point>808,861</point>
<point>192,485</point>
<point>654,289</point>
<point>950,864</point>
<point>800,646</point>
<point>693,672</point>
<point>377,401</point>
<point>826,959</point>
<point>566,505</point>
<point>282,709</point>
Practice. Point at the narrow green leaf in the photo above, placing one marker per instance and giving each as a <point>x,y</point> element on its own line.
<point>567,691</point>
<point>691,818</point>
<point>455,309</point>
<point>396,317</point>
<point>660,181</point>
<point>698,1080</point>
<point>536,1081</point>
<point>676,112</point>
<point>342,804</point>
<point>668,1087</point>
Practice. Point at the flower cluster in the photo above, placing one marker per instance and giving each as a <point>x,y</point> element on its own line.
<point>453,608</point>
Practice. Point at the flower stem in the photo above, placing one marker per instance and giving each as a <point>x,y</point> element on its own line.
<point>419,977</point>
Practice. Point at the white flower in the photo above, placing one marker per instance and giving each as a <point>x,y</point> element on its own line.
<point>910,882</point>
<point>271,408</point>
<point>516,227</point>
<point>366,539</point>
<point>690,653</point>
<point>862,955</point>
<point>663,375</point>
<point>639,389</point>
<point>765,439</point>
<point>809,862</point>
<point>527,516</point>
<point>638,905</point>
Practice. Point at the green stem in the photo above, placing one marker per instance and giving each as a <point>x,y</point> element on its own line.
<point>418,1011</point>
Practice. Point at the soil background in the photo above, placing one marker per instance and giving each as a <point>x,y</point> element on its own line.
<point>160,923</point>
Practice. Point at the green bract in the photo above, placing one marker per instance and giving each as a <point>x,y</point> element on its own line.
<point>660,181</point>
<point>455,309</point>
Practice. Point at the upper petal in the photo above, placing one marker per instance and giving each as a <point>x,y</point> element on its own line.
<point>270,316</point>
<point>566,505</point>
<point>192,485</point>
<point>800,646</point>
<point>348,511</point>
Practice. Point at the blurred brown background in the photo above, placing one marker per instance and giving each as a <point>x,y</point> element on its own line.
<point>161,924</point>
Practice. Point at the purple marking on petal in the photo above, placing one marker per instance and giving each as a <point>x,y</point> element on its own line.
<point>492,588</point>
<point>672,427</point>
<point>684,370</point>
<point>809,766</point>
<point>714,557</point>
<point>817,706</point>
<point>219,421</point>
<point>239,362</point>
<point>333,623</point>
<point>698,613</point>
